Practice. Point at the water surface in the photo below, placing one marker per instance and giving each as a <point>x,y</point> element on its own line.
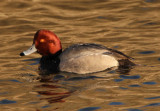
<point>128,26</point>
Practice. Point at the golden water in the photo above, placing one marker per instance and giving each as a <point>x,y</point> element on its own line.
<point>130,26</point>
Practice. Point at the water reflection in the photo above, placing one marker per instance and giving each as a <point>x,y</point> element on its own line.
<point>55,97</point>
<point>57,88</point>
<point>51,91</point>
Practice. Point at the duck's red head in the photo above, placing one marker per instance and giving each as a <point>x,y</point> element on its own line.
<point>45,42</point>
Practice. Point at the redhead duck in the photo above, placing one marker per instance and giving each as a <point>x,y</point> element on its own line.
<point>77,58</point>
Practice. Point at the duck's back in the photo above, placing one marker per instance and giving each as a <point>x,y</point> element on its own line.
<point>89,58</point>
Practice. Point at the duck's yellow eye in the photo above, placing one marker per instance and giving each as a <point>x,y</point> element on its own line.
<point>42,40</point>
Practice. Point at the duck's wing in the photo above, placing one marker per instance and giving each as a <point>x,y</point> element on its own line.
<point>119,55</point>
<point>78,49</point>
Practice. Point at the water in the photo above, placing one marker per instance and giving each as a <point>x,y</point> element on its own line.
<point>128,26</point>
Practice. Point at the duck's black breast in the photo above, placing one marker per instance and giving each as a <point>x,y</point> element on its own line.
<point>50,64</point>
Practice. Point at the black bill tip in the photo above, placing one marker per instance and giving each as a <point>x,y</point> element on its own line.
<point>21,54</point>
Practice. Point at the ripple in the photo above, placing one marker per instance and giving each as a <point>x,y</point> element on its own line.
<point>146,52</point>
<point>135,85</point>
<point>129,77</point>
<point>89,109</point>
<point>36,61</point>
<point>18,5</point>
<point>153,104</point>
<point>134,110</point>
<point>150,83</point>
<point>153,97</point>
<point>5,101</point>
<point>82,78</point>
<point>123,88</point>
<point>118,80</point>
<point>72,7</point>
<point>129,26</point>
<point>159,59</point>
<point>150,1</point>
<point>14,80</point>
<point>57,77</point>
<point>116,103</point>
<point>101,17</point>
<point>3,93</point>
<point>33,103</point>
<point>46,106</point>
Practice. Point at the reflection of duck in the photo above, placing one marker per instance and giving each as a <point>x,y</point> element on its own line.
<point>78,58</point>
<point>53,95</point>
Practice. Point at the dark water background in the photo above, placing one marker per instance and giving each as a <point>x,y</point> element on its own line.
<point>130,26</point>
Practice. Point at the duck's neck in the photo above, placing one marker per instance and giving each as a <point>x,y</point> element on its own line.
<point>53,56</point>
<point>49,64</point>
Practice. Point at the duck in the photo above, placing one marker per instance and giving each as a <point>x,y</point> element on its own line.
<point>78,58</point>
